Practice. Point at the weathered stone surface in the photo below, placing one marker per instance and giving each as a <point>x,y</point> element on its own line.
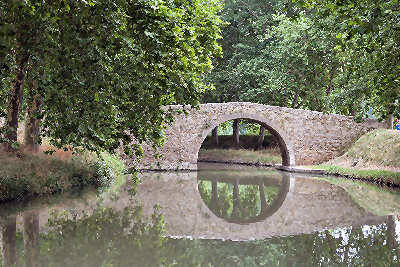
<point>306,137</point>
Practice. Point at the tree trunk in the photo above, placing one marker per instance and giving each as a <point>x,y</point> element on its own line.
<point>9,249</point>
<point>263,199</point>
<point>32,125</point>
<point>215,140</point>
<point>235,127</point>
<point>214,196</point>
<point>260,140</point>
<point>236,200</point>
<point>330,85</point>
<point>15,105</point>
<point>391,241</point>
<point>296,98</point>
<point>31,238</point>
<point>390,122</point>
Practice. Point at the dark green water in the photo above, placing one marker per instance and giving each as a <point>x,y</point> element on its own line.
<point>219,216</point>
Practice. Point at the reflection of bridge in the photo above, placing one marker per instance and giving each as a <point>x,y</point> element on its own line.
<point>304,137</point>
<point>266,210</point>
<point>304,206</point>
<point>309,206</point>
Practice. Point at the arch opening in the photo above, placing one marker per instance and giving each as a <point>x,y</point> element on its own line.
<point>276,136</point>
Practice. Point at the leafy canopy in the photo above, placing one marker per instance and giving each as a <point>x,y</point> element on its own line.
<point>105,68</point>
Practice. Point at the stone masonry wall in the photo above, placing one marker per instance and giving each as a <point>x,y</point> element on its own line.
<point>306,137</point>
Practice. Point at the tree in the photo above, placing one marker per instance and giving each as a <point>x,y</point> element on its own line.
<point>329,56</point>
<point>245,20</point>
<point>368,32</point>
<point>100,72</point>
<point>271,58</point>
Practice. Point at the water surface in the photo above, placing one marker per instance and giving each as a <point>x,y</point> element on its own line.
<point>219,216</point>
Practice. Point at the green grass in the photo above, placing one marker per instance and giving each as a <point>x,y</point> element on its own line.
<point>377,176</point>
<point>267,156</point>
<point>379,147</point>
<point>35,175</point>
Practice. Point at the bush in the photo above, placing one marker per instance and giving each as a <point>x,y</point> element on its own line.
<point>33,175</point>
<point>103,175</point>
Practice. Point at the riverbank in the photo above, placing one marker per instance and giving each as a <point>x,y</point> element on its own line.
<point>264,157</point>
<point>381,177</point>
<point>376,150</point>
<point>32,175</point>
<point>375,157</point>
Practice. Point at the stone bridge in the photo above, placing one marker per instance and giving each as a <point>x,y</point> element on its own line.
<point>305,137</point>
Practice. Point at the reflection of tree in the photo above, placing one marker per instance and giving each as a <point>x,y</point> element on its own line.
<point>31,238</point>
<point>352,247</point>
<point>217,197</point>
<point>8,238</point>
<point>249,198</point>
<point>391,232</point>
<point>237,201</point>
<point>105,238</point>
<point>125,238</point>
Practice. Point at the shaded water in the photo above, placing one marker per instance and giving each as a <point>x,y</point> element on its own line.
<point>219,216</point>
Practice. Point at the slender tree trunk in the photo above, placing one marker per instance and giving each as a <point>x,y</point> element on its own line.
<point>215,140</point>
<point>296,98</point>
<point>8,235</point>
<point>214,196</point>
<point>260,140</point>
<point>236,200</point>
<point>391,232</point>
<point>263,199</point>
<point>31,238</point>
<point>235,127</point>
<point>14,105</point>
<point>330,85</point>
<point>32,125</point>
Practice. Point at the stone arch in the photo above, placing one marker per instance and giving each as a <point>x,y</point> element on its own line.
<point>286,147</point>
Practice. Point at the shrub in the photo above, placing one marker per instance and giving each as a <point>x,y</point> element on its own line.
<point>33,175</point>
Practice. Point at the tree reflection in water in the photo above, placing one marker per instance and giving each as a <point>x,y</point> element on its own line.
<point>106,237</point>
<point>242,200</point>
<point>124,238</point>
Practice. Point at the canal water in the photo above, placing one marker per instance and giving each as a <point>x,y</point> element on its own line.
<point>219,216</point>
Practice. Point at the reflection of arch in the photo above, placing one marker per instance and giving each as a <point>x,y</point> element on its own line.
<point>284,144</point>
<point>266,211</point>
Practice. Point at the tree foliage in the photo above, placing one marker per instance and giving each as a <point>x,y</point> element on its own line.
<point>103,69</point>
<point>369,33</point>
<point>330,56</point>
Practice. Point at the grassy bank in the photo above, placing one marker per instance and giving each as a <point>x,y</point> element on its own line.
<point>375,157</point>
<point>34,175</point>
<point>265,156</point>
<point>378,149</point>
